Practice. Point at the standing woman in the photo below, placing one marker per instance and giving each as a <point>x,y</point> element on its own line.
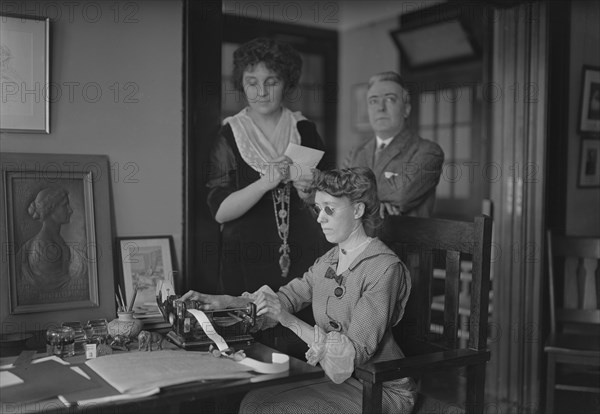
<point>268,233</point>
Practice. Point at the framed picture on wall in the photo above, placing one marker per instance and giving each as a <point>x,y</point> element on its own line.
<point>589,117</point>
<point>589,164</point>
<point>57,262</point>
<point>360,115</point>
<point>25,77</point>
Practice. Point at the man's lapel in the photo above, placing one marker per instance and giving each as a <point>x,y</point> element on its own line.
<point>401,143</point>
<point>368,153</point>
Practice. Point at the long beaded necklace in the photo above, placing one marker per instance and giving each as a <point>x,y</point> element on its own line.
<point>281,206</point>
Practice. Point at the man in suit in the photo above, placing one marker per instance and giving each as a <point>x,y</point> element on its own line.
<point>407,166</point>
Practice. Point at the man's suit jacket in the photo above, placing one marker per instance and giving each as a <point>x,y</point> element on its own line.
<point>407,171</point>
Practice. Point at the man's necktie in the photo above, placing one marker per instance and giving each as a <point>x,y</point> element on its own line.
<point>378,152</point>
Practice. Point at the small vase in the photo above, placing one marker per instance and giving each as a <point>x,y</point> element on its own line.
<point>126,325</point>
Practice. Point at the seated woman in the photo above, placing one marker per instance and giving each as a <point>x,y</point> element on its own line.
<point>358,291</point>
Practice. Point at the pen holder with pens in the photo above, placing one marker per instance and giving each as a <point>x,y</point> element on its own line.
<point>125,325</point>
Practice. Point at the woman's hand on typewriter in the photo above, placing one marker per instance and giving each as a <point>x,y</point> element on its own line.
<point>267,303</point>
<point>227,353</point>
<point>208,302</point>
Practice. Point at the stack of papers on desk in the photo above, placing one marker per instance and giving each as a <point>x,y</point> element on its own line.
<point>139,372</point>
<point>116,377</point>
<point>43,379</point>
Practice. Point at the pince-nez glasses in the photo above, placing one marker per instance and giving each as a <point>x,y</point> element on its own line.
<point>330,211</point>
<point>317,210</point>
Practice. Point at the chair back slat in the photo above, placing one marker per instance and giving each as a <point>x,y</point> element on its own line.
<point>573,246</point>
<point>426,243</point>
<point>418,322</point>
<point>424,292</point>
<point>480,285</point>
<point>452,298</point>
<point>573,265</point>
<point>434,233</point>
<point>597,280</point>
<point>579,316</point>
<point>581,279</point>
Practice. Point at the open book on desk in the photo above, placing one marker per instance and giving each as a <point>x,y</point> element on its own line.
<point>117,377</point>
<point>132,375</point>
<point>43,379</point>
<point>49,381</point>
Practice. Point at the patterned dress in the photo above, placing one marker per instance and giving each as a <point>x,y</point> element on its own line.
<point>350,330</point>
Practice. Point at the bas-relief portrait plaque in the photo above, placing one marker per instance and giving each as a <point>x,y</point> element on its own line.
<point>56,245</point>
<point>53,232</point>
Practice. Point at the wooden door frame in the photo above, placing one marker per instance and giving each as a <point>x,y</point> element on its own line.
<point>519,139</point>
<point>202,28</point>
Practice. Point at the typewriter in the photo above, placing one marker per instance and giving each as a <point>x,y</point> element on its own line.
<point>233,324</point>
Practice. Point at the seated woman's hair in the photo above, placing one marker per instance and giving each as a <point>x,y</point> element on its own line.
<point>278,57</point>
<point>358,184</point>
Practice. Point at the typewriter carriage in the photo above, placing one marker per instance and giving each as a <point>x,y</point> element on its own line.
<point>232,324</point>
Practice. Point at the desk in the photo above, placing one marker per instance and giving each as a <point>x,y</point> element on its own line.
<point>173,396</point>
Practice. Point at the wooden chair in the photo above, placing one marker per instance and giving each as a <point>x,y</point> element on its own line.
<point>573,266</point>
<point>422,243</point>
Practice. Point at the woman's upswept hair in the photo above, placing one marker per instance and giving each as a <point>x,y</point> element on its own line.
<point>45,202</point>
<point>358,184</point>
<point>278,57</point>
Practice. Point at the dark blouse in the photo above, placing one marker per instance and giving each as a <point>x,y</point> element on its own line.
<point>249,249</point>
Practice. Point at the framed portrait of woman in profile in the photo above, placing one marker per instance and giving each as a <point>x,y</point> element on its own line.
<point>57,257</point>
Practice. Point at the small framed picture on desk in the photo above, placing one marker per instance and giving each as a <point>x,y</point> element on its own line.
<point>147,263</point>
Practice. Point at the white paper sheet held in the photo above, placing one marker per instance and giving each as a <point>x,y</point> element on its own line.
<point>304,159</point>
<point>138,372</point>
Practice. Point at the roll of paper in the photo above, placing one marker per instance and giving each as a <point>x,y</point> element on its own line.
<point>281,362</point>
<point>209,329</point>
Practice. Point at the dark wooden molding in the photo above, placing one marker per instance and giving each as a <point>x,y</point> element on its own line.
<point>202,28</point>
<point>559,15</point>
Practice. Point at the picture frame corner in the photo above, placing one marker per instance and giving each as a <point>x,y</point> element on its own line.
<point>15,117</point>
<point>588,125</point>
<point>87,235</point>
<point>588,172</point>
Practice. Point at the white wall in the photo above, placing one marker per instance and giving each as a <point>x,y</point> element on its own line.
<point>134,48</point>
<point>583,204</point>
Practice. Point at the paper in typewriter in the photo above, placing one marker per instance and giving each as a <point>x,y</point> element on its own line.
<point>138,371</point>
<point>209,329</point>
<point>279,362</point>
